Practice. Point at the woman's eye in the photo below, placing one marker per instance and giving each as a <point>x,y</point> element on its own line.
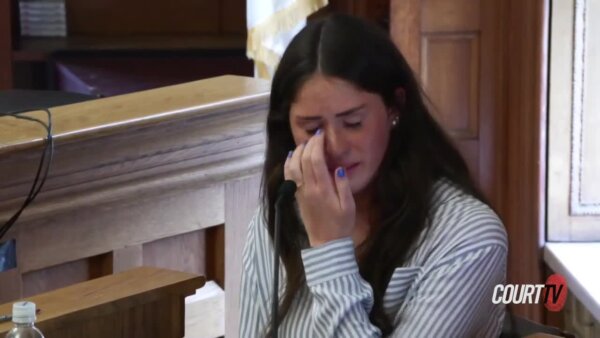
<point>353,125</point>
<point>311,131</point>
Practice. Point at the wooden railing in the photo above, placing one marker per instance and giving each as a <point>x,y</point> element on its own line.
<point>142,302</point>
<point>139,179</point>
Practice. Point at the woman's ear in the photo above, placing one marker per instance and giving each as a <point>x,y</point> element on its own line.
<point>395,111</point>
<point>400,97</point>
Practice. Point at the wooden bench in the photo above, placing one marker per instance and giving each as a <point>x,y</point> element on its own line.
<point>142,302</point>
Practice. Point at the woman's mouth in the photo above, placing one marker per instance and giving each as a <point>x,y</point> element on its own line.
<point>352,168</point>
<point>349,169</point>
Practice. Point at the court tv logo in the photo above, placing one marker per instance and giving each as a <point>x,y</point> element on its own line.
<point>553,294</point>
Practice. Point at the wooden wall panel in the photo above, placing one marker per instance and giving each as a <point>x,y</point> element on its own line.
<point>44,241</point>
<point>405,29</point>
<point>524,72</point>
<point>127,258</point>
<point>185,252</point>
<point>55,277</point>
<point>215,254</point>
<point>11,283</point>
<point>6,65</point>
<point>469,149</point>
<point>233,16</point>
<point>450,73</point>
<point>491,79</point>
<point>241,202</point>
<point>136,17</point>
<point>451,16</point>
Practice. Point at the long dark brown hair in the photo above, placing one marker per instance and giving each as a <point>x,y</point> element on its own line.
<point>419,153</point>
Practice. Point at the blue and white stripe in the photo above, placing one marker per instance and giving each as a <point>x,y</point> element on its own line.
<point>444,290</point>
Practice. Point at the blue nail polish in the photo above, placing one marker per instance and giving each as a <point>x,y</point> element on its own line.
<point>341,172</point>
<point>290,153</point>
<point>319,131</point>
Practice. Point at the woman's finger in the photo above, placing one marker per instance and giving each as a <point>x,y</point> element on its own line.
<point>286,166</point>
<point>308,175</point>
<point>294,167</point>
<point>344,190</point>
<point>319,165</point>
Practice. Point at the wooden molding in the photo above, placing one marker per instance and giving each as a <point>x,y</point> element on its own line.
<point>153,141</point>
<point>405,29</point>
<point>523,208</point>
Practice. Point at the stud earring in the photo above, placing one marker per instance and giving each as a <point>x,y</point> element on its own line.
<point>395,121</point>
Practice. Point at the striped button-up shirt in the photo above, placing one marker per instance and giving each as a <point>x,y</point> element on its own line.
<point>444,290</point>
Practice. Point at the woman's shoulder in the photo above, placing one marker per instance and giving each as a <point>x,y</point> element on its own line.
<point>458,220</point>
<point>257,228</point>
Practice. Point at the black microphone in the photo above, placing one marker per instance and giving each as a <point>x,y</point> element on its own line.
<point>286,192</point>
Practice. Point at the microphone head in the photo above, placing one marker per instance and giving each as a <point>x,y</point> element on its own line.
<point>287,189</point>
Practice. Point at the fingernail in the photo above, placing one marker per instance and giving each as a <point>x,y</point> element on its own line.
<point>290,153</point>
<point>319,131</point>
<point>341,172</point>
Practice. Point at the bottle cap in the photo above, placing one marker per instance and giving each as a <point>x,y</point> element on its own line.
<point>23,312</point>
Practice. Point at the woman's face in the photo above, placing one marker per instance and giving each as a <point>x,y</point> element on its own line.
<point>356,125</point>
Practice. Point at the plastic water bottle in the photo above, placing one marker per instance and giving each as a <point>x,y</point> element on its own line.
<point>23,316</point>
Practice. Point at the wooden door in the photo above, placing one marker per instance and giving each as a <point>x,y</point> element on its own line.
<point>450,44</point>
<point>481,62</point>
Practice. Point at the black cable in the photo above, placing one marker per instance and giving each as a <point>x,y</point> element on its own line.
<point>44,166</point>
<point>276,250</point>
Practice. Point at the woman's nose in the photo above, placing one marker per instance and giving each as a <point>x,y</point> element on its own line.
<point>336,145</point>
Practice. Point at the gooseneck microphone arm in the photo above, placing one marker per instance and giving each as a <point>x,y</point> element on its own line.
<point>286,193</point>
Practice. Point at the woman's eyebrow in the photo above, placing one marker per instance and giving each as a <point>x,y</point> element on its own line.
<point>340,114</point>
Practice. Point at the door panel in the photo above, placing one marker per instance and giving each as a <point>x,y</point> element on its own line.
<point>481,62</point>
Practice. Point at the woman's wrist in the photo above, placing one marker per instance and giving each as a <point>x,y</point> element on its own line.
<point>329,261</point>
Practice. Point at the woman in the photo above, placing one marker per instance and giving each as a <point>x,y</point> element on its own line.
<point>388,235</point>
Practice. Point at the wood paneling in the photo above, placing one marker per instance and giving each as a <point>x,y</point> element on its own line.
<point>524,69</point>
<point>185,252</point>
<point>101,265</point>
<point>127,258</point>
<point>483,65</point>
<point>451,16</point>
<point>233,17</point>
<point>405,29</point>
<point>44,242</point>
<point>241,202</point>
<point>57,276</point>
<point>215,254</point>
<point>448,60</point>
<point>11,282</point>
<point>469,149</point>
<point>139,17</point>
<point>143,302</point>
<point>98,26</point>
<point>136,179</point>
<point>6,63</point>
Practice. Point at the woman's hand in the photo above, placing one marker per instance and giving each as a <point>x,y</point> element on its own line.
<point>326,206</point>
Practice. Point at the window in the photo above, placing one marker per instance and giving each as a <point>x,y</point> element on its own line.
<point>574,122</point>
